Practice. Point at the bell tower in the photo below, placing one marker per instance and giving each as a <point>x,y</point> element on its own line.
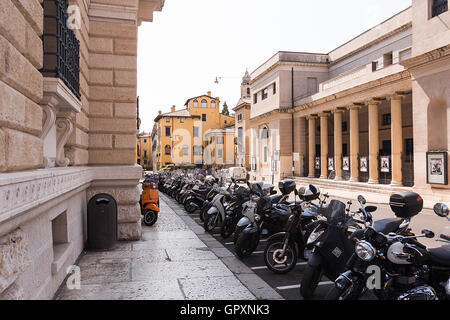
<point>245,85</point>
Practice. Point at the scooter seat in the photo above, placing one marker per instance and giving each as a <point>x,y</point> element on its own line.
<point>440,256</point>
<point>387,225</point>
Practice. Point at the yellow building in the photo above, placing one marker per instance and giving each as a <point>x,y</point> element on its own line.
<point>144,151</point>
<point>180,136</point>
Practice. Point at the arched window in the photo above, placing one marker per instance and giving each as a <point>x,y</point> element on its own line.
<point>248,92</point>
<point>213,104</point>
<point>167,150</point>
<point>265,133</point>
<point>204,103</point>
<point>195,104</point>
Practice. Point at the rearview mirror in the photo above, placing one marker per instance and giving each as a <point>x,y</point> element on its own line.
<point>371,208</point>
<point>429,234</point>
<point>361,200</point>
<point>441,210</point>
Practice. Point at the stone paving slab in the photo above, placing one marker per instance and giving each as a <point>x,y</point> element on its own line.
<point>216,288</point>
<point>166,289</point>
<point>179,269</point>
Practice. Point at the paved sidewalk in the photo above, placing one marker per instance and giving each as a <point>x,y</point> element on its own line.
<point>170,262</point>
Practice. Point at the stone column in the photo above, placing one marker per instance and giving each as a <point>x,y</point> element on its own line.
<point>324,145</point>
<point>354,142</point>
<point>311,144</point>
<point>396,139</point>
<point>374,140</point>
<point>338,143</point>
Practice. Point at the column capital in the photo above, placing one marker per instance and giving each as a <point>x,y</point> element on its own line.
<point>373,101</point>
<point>324,114</point>
<point>338,110</point>
<point>312,117</point>
<point>396,96</point>
<point>354,106</point>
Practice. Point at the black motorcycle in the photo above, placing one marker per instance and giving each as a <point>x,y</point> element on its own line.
<point>233,211</point>
<point>284,248</point>
<point>269,219</point>
<point>407,270</point>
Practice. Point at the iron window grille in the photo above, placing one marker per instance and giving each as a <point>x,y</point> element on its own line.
<point>439,6</point>
<point>61,47</point>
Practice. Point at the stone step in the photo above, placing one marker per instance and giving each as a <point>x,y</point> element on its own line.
<point>350,186</point>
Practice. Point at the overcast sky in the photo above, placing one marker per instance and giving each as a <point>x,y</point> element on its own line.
<point>191,42</point>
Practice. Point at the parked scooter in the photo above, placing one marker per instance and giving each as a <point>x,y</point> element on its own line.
<point>408,270</point>
<point>284,248</point>
<point>269,218</point>
<point>333,245</point>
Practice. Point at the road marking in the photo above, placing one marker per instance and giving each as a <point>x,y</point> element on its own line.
<point>265,267</point>
<point>296,286</point>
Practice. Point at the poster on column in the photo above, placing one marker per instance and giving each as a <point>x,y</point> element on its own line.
<point>330,164</point>
<point>346,163</point>
<point>385,164</point>
<point>363,167</point>
<point>317,163</point>
<point>437,172</point>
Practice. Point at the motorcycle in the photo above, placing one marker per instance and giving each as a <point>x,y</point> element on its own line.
<point>408,270</point>
<point>216,214</point>
<point>269,218</point>
<point>233,211</point>
<point>284,248</point>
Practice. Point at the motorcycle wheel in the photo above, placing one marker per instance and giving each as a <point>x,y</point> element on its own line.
<point>189,206</point>
<point>202,213</point>
<point>212,221</point>
<point>310,280</point>
<point>227,230</point>
<point>290,257</point>
<point>245,246</point>
<point>150,218</point>
<point>237,233</point>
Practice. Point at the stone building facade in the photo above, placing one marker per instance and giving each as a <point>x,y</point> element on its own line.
<point>363,116</point>
<point>144,155</point>
<point>67,131</point>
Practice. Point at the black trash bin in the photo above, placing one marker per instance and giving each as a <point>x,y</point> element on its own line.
<point>101,222</point>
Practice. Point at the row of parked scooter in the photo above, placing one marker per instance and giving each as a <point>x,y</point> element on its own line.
<point>347,246</point>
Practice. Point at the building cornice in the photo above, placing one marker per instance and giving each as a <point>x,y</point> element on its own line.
<point>112,13</point>
<point>428,57</point>
<point>388,80</point>
<point>372,43</point>
<point>288,64</point>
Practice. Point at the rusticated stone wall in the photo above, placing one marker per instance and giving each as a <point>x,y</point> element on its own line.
<point>21,26</point>
<point>113,82</point>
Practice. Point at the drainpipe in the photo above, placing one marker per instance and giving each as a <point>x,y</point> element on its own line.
<point>292,131</point>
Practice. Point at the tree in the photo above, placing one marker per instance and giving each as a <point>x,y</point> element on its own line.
<point>225,109</point>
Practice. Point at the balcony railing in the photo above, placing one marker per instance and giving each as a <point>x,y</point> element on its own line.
<point>61,47</point>
<point>439,6</point>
